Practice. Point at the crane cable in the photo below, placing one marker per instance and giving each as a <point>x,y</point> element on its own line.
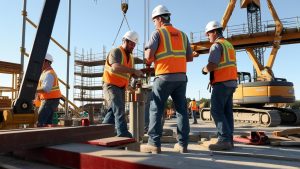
<point>124,7</point>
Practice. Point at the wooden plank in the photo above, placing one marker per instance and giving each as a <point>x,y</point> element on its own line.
<point>10,68</point>
<point>294,138</point>
<point>112,141</point>
<point>287,132</point>
<point>40,137</point>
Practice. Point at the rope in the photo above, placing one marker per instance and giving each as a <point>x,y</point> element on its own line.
<point>124,18</point>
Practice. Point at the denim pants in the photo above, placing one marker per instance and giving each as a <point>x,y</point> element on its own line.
<point>194,113</point>
<point>115,102</point>
<point>48,107</point>
<point>160,92</point>
<point>147,97</point>
<point>221,111</point>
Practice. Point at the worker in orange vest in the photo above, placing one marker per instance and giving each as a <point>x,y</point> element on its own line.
<point>49,92</point>
<point>193,107</point>
<point>223,79</point>
<point>169,49</point>
<point>119,67</point>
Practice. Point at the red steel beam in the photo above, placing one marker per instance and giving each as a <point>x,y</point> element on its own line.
<point>12,140</point>
<point>85,156</point>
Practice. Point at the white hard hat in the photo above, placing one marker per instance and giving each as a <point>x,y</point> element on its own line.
<point>212,25</point>
<point>132,36</point>
<point>160,10</point>
<point>49,57</point>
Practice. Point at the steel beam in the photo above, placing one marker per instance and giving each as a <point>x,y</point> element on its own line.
<point>13,140</point>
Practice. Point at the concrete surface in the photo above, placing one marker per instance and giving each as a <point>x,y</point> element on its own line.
<point>243,156</point>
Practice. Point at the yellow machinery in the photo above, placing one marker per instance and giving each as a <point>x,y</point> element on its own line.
<point>256,101</point>
<point>7,117</point>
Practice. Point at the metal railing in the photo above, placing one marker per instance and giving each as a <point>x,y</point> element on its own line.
<point>232,30</point>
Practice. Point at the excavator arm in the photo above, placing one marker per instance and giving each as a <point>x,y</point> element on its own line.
<point>23,103</point>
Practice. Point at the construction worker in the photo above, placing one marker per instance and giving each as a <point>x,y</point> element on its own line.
<point>49,93</point>
<point>118,69</point>
<point>169,49</point>
<point>193,107</point>
<point>223,79</point>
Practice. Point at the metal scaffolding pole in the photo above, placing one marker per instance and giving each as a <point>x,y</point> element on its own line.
<point>24,13</point>
<point>68,61</point>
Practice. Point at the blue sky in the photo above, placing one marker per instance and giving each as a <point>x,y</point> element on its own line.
<point>96,24</point>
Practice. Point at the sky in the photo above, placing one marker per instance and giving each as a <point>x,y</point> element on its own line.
<point>95,24</point>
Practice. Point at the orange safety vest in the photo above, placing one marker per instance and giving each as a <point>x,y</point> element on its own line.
<point>170,56</point>
<point>193,105</point>
<point>226,69</point>
<point>55,91</point>
<point>37,101</point>
<point>118,79</point>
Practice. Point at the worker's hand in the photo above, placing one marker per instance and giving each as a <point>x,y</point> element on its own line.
<point>130,88</point>
<point>195,54</point>
<point>204,71</point>
<point>138,73</point>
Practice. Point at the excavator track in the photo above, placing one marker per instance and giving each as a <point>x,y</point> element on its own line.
<point>260,117</point>
<point>288,116</point>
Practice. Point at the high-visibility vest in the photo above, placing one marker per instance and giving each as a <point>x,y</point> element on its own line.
<point>37,101</point>
<point>193,105</point>
<point>118,79</point>
<point>226,69</point>
<point>170,56</point>
<point>55,91</point>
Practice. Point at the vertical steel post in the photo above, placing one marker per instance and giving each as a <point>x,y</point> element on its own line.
<point>24,13</point>
<point>68,62</point>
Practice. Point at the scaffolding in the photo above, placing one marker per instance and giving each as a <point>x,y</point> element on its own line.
<point>88,72</point>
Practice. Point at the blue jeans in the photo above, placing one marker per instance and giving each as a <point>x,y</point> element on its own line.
<point>160,92</point>
<point>48,107</point>
<point>147,97</point>
<point>115,101</point>
<point>221,111</point>
<point>194,113</point>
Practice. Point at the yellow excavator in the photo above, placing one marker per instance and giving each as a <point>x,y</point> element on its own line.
<point>257,101</point>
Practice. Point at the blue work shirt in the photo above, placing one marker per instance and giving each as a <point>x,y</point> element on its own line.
<point>47,83</point>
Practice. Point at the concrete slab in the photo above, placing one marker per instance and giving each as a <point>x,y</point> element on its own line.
<point>88,156</point>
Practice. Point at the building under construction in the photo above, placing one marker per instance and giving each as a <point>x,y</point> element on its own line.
<point>88,71</point>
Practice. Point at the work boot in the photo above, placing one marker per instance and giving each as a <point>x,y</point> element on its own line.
<point>146,148</point>
<point>221,146</point>
<point>180,149</point>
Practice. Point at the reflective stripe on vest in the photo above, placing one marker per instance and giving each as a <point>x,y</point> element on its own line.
<point>170,56</point>
<point>226,69</point>
<point>55,91</point>
<point>118,79</point>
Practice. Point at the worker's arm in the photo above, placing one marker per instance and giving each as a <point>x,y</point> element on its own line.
<point>151,47</point>
<point>118,68</point>
<point>189,53</point>
<point>115,58</point>
<point>149,56</point>
<point>46,84</point>
<point>214,59</point>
